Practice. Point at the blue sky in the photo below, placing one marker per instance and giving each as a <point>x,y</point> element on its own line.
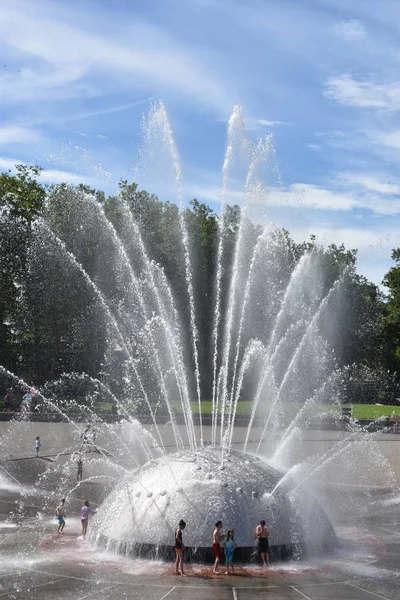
<point>321,75</point>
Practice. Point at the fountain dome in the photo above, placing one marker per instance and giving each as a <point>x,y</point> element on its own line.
<point>141,513</point>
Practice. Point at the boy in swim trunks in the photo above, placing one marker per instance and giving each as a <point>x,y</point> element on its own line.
<point>217,539</point>
<point>60,514</point>
<point>262,534</point>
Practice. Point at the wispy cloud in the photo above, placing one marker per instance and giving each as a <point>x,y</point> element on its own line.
<point>253,123</point>
<point>363,93</point>
<point>348,193</point>
<point>106,111</point>
<point>350,30</point>
<point>71,58</point>
<point>368,182</point>
<point>386,139</point>
<point>48,175</point>
<point>360,193</point>
<point>13,134</point>
<point>90,135</point>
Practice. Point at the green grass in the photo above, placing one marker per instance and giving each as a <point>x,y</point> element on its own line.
<point>368,412</point>
<point>244,407</point>
<point>102,407</point>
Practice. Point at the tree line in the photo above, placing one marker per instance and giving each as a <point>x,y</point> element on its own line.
<point>47,310</point>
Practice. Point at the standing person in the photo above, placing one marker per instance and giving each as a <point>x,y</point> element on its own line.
<point>26,400</point>
<point>60,514</point>
<point>179,548</point>
<point>8,400</point>
<point>80,469</point>
<point>85,436</point>
<point>262,534</point>
<point>229,550</point>
<point>37,445</point>
<point>217,539</point>
<point>86,510</point>
<point>92,434</point>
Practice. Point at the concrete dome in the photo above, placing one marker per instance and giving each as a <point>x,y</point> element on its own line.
<point>145,508</point>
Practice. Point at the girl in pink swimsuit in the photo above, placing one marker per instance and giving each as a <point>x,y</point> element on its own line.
<point>86,510</point>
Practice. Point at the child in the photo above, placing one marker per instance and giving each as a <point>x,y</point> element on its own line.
<point>179,548</point>
<point>217,539</point>
<point>85,517</point>
<point>229,549</point>
<point>80,469</point>
<point>37,445</point>
<point>60,514</point>
<point>262,533</point>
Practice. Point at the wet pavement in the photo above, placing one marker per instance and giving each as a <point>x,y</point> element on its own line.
<point>36,562</point>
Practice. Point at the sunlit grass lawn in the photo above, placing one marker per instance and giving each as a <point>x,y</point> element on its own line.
<point>368,412</point>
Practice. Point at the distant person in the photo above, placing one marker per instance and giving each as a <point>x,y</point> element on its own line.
<point>262,534</point>
<point>26,400</point>
<point>229,550</point>
<point>179,548</point>
<point>217,539</point>
<point>85,435</point>
<point>92,438</point>
<point>60,514</point>
<point>37,445</point>
<point>79,472</point>
<point>86,510</point>
<point>8,400</point>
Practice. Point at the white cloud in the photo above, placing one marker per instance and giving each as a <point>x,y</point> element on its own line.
<point>383,201</point>
<point>253,123</point>
<point>363,93</point>
<point>306,195</point>
<point>388,139</point>
<point>13,134</point>
<point>363,239</point>
<point>349,192</point>
<point>58,176</point>
<point>106,111</point>
<point>370,183</point>
<point>70,58</point>
<point>48,175</point>
<point>43,83</point>
<point>9,163</point>
<point>350,30</point>
<point>374,246</point>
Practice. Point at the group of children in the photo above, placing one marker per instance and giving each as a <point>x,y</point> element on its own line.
<point>85,512</point>
<point>228,541</point>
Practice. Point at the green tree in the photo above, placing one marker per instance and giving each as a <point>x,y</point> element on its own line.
<point>21,201</point>
<point>391,309</point>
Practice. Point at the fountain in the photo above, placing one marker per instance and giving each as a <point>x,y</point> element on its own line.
<point>265,344</point>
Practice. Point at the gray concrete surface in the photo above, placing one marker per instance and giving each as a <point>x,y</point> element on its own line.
<point>17,438</point>
<point>35,562</point>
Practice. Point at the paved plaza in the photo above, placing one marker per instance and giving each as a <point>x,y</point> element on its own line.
<point>35,562</point>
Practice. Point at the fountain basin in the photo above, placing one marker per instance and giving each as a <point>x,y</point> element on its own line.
<point>140,515</point>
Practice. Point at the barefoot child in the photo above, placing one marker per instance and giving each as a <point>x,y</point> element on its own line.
<point>262,534</point>
<point>217,539</point>
<point>85,517</point>
<point>229,550</point>
<point>60,514</point>
<point>179,548</point>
